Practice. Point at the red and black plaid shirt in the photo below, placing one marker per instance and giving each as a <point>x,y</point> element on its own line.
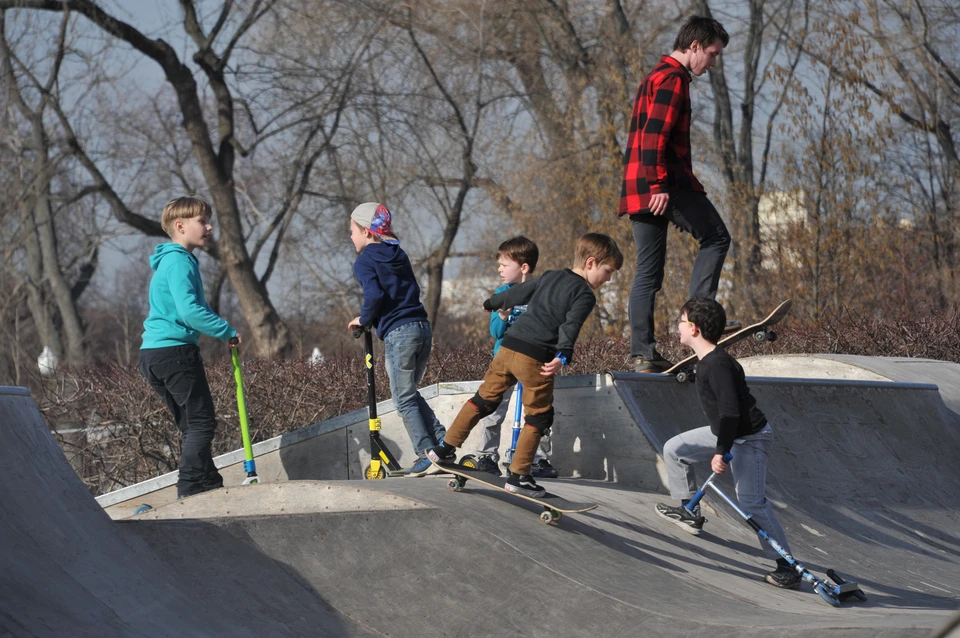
<point>657,158</point>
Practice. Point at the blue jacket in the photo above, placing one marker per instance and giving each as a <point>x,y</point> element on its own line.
<point>498,327</point>
<point>391,295</point>
<point>178,309</point>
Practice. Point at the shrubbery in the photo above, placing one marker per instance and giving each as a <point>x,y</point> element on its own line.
<point>122,433</point>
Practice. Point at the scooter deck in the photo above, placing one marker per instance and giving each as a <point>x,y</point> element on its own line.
<point>548,500</point>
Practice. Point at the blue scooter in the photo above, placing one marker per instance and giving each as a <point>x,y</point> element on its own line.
<point>833,593</point>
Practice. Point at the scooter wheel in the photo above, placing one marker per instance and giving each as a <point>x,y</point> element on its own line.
<point>829,598</point>
<point>143,508</point>
<point>370,474</point>
<point>859,595</point>
<point>468,461</point>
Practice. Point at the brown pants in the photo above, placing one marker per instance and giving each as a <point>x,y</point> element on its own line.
<point>505,370</point>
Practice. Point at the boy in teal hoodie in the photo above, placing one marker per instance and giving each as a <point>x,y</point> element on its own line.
<point>169,355</point>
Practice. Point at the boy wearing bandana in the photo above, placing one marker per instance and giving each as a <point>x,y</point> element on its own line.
<point>391,305</point>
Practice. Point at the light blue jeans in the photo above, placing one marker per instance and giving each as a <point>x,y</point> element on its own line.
<point>749,469</point>
<point>406,352</point>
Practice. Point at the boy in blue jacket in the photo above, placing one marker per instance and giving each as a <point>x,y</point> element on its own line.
<point>391,304</point>
<point>169,355</point>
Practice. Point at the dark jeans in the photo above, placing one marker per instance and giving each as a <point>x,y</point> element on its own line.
<point>693,213</point>
<point>178,376</point>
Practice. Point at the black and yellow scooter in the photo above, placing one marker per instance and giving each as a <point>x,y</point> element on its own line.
<point>382,462</point>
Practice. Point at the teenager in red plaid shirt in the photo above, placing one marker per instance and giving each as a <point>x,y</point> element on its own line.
<point>659,186</point>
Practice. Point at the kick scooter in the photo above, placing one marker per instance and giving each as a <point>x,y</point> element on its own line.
<point>382,462</point>
<point>833,593</point>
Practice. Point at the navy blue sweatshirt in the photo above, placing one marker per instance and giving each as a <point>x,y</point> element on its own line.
<point>391,295</point>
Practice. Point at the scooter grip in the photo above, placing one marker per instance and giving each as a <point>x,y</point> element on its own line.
<point>727,457</point>
<point>358,332</point>
<point>233,341</point>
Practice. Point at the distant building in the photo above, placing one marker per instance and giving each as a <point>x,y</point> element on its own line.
<point>778,211</point>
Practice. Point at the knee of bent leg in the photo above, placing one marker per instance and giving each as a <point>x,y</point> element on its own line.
<point>484,407</point>
<point>541,422</point>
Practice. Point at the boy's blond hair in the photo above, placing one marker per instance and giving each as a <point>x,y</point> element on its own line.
<point>186,207</point>
<point>599,246</point>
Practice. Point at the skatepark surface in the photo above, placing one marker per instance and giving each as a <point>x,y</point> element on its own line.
<point>864,478</point>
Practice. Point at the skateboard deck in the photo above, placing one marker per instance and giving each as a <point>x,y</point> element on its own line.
<point>760,331</point>
<point>554,507</point>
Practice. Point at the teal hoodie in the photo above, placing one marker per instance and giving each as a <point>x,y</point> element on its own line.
<point>178,309</point>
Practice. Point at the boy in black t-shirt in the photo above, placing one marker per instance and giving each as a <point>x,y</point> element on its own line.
<point>736,426</point>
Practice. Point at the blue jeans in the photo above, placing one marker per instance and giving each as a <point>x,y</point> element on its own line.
<point>693,213</point>
<point>407,349</point>
<point>749,469</point>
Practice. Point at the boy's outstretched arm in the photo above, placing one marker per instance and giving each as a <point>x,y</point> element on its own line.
<point>517,295</point>
<point>190,303</point>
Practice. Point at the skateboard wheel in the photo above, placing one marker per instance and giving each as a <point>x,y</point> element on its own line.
<point>455,484</point>
<point>369,474</point>
<point>772,336</point>
<point>547,517</point>
<point>682,376</point>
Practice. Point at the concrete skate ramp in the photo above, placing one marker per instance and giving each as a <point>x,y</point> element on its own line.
<point>425,561</point>
<point>944,374</point>
<point>66,569</point>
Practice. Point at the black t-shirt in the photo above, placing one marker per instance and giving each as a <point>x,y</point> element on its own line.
<point>726,399</point>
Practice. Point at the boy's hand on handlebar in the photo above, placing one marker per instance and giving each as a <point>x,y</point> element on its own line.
<point>354,323</point>
<point>717,464</point>
<point>234,341</point>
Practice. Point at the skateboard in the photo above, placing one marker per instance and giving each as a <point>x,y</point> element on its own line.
<point>554,507</point>
<point>759,331</point>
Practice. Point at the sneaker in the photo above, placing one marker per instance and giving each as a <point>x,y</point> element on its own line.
<point>422,467</point>
<point>658,364</point>
<point>442,453</point>
<point>524,485</point>
<point>785,577</point>
<point>487,463</point>
<point>689,522</point>
<point>732,326</point>
<point>543,469</point>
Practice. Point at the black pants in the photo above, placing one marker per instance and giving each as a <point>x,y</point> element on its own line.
<point>693,213</point>
<point>178,376</point>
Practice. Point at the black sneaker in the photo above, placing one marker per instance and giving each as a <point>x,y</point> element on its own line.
<point>543,469</point>
<point>655,365</point>
<point>487,463</point>
<point>691,523</point>
<point>785,577</point>
<point>524,485</point>
<point>442,453</point>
